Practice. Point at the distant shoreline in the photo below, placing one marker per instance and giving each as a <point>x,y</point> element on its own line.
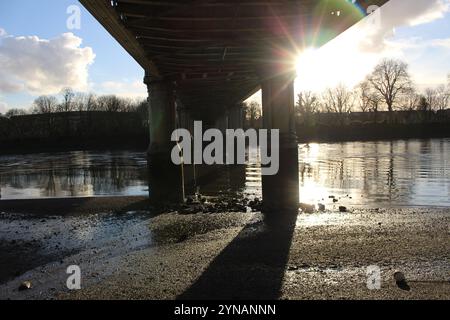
<point>372,132</point>
<point>320,133</point>
<point>139,143</point>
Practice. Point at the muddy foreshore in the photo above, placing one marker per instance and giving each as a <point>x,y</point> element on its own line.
<point>126,251</point>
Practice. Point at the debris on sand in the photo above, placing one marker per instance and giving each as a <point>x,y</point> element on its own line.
<point>307,208</point>
<point>401,282</point>
<point>26,285</point>
<point>399,276</point>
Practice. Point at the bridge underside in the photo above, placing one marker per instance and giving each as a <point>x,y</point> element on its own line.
<point>214,50</point>
<point>203,57</point>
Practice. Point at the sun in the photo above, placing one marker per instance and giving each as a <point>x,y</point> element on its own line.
<point>341,61</point>
<point>309,70</point>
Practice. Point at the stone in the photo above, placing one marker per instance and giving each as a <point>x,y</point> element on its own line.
<point>401,282</point>
<point>182,238</point>
<point>399,276</point>
<point>342,209</point>
<point>307,208</point>
<point>322,207</point>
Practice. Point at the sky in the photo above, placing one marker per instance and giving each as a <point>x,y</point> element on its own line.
<point>40,54</point>
<point>417,32</point>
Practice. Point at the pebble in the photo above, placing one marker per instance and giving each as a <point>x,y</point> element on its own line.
<point>307,208</point>
<point>399,276</point>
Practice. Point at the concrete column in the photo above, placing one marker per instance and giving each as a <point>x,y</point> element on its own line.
<point>281,191</point>
<point>185,121</point>
<point>165,180</point>
<point>222,123</point>
<point>235,117</point>
<point>162,116</point>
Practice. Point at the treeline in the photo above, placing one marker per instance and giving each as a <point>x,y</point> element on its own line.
<point>386,105</point>
<point>388,89</point>
<point>70,101</point>
<point>76,120</point>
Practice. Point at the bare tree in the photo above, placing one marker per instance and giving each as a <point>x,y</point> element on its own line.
<point>67,103</point>
<point>15,112</point>
<point>127,105</point>
<point>110,103</point>
<point>307,103</point>
<point>45,104</point>
<point>410,100</point>
<point>364,96</point>
<point>423,104</point>
<point>391,80</point>
<point>369,99</point>
<point>252,113</point>
<point>339,99</point>
<point>437,98</point>
<point>91,102</point>
<point>443,98</point>
<point>79,102</point>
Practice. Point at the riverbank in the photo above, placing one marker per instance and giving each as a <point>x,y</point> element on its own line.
<point>107,143</point>
<point>371,132</point>
<point>334,132</point>
<point>137,255</point>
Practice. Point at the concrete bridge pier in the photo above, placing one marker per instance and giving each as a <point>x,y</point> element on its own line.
<point>280,191</point>
<point>235,117</point>
<point>184,119</point>
<point>222,123</point>
<point>165,179</point>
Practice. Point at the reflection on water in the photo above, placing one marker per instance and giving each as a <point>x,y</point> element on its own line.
<point>73,174</point>
<point>395,173</point>
<point>388,173</point>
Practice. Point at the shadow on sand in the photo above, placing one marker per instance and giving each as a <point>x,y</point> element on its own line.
<point>252,266</point>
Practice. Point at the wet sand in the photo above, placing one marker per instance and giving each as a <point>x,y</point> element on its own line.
<point>132,254</point>
<point>74,206</point>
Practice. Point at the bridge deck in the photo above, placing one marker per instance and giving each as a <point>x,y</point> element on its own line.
<point>212,50</point>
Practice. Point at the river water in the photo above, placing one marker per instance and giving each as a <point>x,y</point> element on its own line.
<point>371,174</point>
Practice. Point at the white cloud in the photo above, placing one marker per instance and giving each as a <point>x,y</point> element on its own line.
<point>3,107</point>
<point>2,32</point>
<point>398,13</point>
<point>432,10</point>
<point>443,43</point>
<point>126,89</point>
<point>40,66</point>
<point>352,55</point>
